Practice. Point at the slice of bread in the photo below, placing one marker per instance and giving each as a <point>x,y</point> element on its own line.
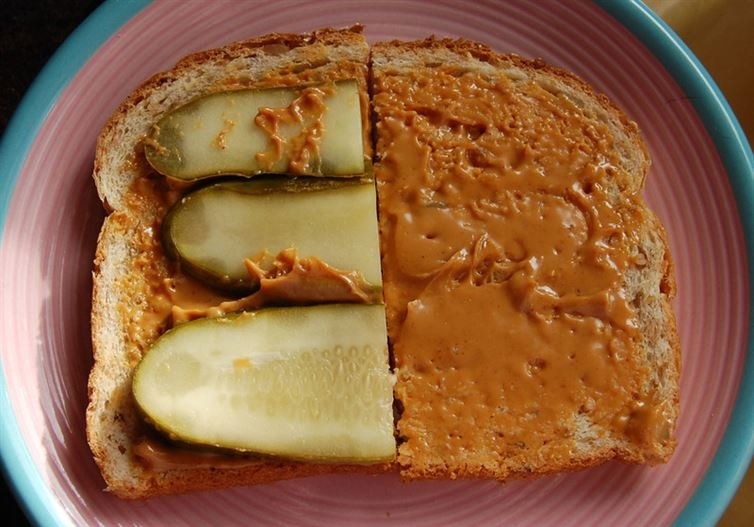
<point>453,183</point>
<point>528,286</point>
<point>129,305</point>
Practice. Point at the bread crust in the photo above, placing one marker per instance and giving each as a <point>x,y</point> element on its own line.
<point>129,260</point>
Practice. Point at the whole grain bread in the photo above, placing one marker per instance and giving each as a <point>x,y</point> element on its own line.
<point>129,263</point>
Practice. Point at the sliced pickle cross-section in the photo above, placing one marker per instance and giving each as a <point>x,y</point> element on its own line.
<point>307,383</point>
<point>214,229</point>
<point>310,130</point>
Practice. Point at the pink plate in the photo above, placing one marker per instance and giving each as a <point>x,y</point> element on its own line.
<point>49,238</point>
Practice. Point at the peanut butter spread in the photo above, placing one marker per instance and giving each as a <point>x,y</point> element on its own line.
<point>158,455</point>
<point>290,281</point>
<point>504,254</point>
<point>305,112</point>
<point>504,258</point>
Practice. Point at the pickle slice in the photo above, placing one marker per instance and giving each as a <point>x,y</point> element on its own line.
<point>212,230</point>
<point>305,383</point>
<point>314,130</point>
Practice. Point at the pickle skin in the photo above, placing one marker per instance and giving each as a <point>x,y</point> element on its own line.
<point>310,130</point>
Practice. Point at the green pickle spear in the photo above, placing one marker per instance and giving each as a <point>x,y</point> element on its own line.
<point>211,231</point>
<point>306,383</point>
<point>312,130</point>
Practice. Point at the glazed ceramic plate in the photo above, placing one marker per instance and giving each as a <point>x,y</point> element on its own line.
<point>701,185</point>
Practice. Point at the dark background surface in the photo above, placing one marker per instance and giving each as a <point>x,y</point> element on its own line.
<point>30,32</point>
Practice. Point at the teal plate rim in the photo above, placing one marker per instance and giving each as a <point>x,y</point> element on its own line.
<point>35,498</point>
<point>729,465</point>
<point>736,449</point>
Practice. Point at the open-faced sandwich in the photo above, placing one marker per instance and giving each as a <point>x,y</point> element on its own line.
<point>322,257</point>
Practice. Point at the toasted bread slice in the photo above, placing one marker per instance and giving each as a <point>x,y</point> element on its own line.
<point>528,286</point>
<point>129,296</point>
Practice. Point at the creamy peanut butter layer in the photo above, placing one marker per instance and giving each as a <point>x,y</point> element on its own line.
<point>504,259</point>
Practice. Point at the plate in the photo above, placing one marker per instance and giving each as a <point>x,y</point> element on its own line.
<point>701,185</point>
